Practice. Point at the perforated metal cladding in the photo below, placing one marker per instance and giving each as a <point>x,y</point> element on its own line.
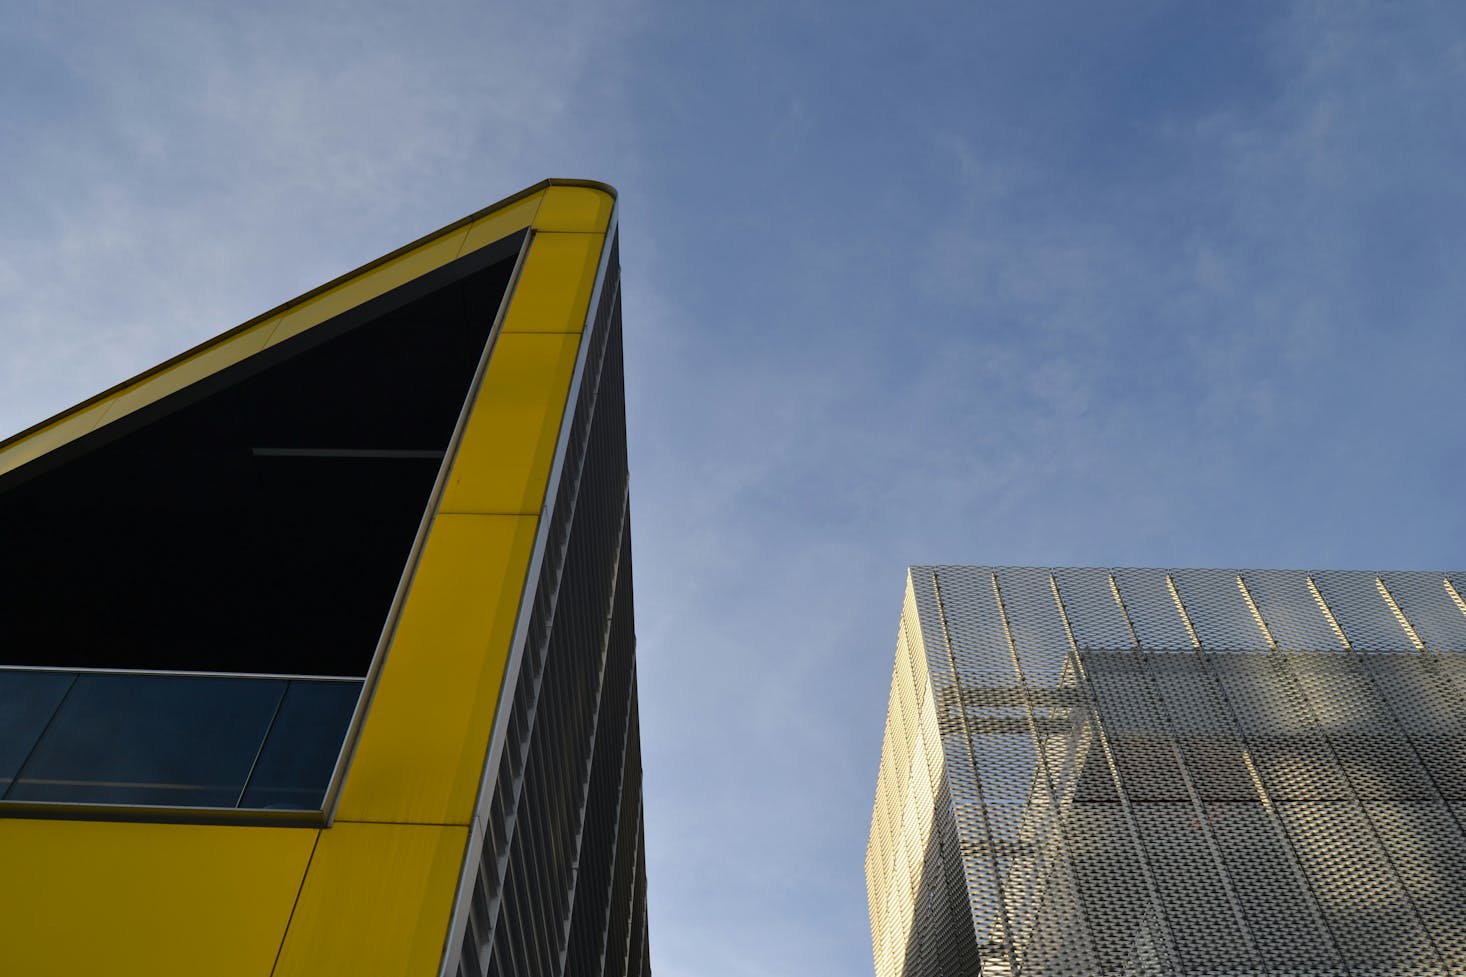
<point>1427,604</point>
<point>1218,610</point>
<point>916,877</point>
<point>1290,610</point>
<point>1355,601</point>
<point>1095,615</point>
<point>1198,772</point>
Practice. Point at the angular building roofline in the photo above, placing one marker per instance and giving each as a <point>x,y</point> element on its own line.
<point>493,222</point>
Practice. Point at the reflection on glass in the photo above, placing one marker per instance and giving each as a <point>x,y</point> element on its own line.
<point>27,702</point>
<point>170,740</point>
<point>300,753</point>
<point>143,739</point>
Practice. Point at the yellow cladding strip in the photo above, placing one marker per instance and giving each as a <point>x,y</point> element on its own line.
<point>205,363</point>
<point>421,748</point>
<point>193,367</point>
<point>140,900</point>
<point>1256,614</point>
<point>574,209</point>
<point>376,904</point>
<point>569,212</point>
<point>1181,609</point>
<point>501,223</point>
<point>504,458</point>
<point>555,283</point>
<point>1328,614</point>
<point>62,431</point>
<point>363,288</point>
<point>1399,614</point>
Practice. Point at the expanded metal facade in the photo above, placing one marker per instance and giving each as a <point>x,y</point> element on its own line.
<point>1173,772</point>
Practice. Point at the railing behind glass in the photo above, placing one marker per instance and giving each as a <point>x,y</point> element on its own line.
<point>157,739</point>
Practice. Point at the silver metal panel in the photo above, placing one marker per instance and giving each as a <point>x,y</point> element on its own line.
<point>1037,627</point>
<point>1238,809</point>
<point>973,622</point>
<point>1277,902</point>
<point>1151,608</point>
<point>1194,890</point>
<point>1361,611</point>
<point>924,616</point>
<point>1372,919</point>
<point>1218,611</point>
<point>1094,614</point>
<point>1287,606</point>
<point>1428,606</point>
<point>1426,847</point>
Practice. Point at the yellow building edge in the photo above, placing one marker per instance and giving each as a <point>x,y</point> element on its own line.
<point>143,900</point>
<point>405,807</point>
<point>498,220</point>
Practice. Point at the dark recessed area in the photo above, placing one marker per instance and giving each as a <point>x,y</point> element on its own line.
<point>258,522</point>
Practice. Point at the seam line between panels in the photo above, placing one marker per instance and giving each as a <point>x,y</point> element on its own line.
<point>295,903</point>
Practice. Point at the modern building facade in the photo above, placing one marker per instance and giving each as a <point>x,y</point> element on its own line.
<point>318,649</point>
<point>1173,772</point>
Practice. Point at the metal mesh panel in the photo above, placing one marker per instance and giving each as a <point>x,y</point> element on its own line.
<point>1293,617</point>
<point>1218,611</point>
<point>973,627</point>
<point>1193,889</point>
<point>1276,900</point>
<point>1430,712</point>
<point>1094,615</point>
<point>1266,799</point>
<point>1355,600</point>
<point>1425,845</point>
<point>1425,602</point>
<point>1151,608</point>
<point>1367,910</point>
<point>1039,636</point>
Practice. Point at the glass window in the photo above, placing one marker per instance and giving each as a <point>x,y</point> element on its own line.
<point>300,753</point>
<point>27,702</point>
<point>146,739</point>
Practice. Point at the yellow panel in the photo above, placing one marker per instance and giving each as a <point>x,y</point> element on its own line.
<point>376,902</point>
<point>83,897</point>
<point>574,209</point>
<point>422,746</point>
<point>67,428</point>
<point>369,284</point>
<point>205,363</point>
<point>504,460</point>
<point>501,223</point>
<point>553,291</point>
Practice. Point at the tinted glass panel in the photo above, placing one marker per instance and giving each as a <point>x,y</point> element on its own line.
<point>141,739</point>
<point>27,702</point>
<point>302,747</point>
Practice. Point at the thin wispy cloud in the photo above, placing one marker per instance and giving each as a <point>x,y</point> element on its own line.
<point>177,168</point>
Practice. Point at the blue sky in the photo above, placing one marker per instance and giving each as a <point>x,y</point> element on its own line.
<point>1124,283</point>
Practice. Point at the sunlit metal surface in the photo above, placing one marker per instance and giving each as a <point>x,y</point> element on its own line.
<point>1148,772</point>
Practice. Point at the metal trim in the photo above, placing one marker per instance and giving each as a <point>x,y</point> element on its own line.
<point>183,673</point>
